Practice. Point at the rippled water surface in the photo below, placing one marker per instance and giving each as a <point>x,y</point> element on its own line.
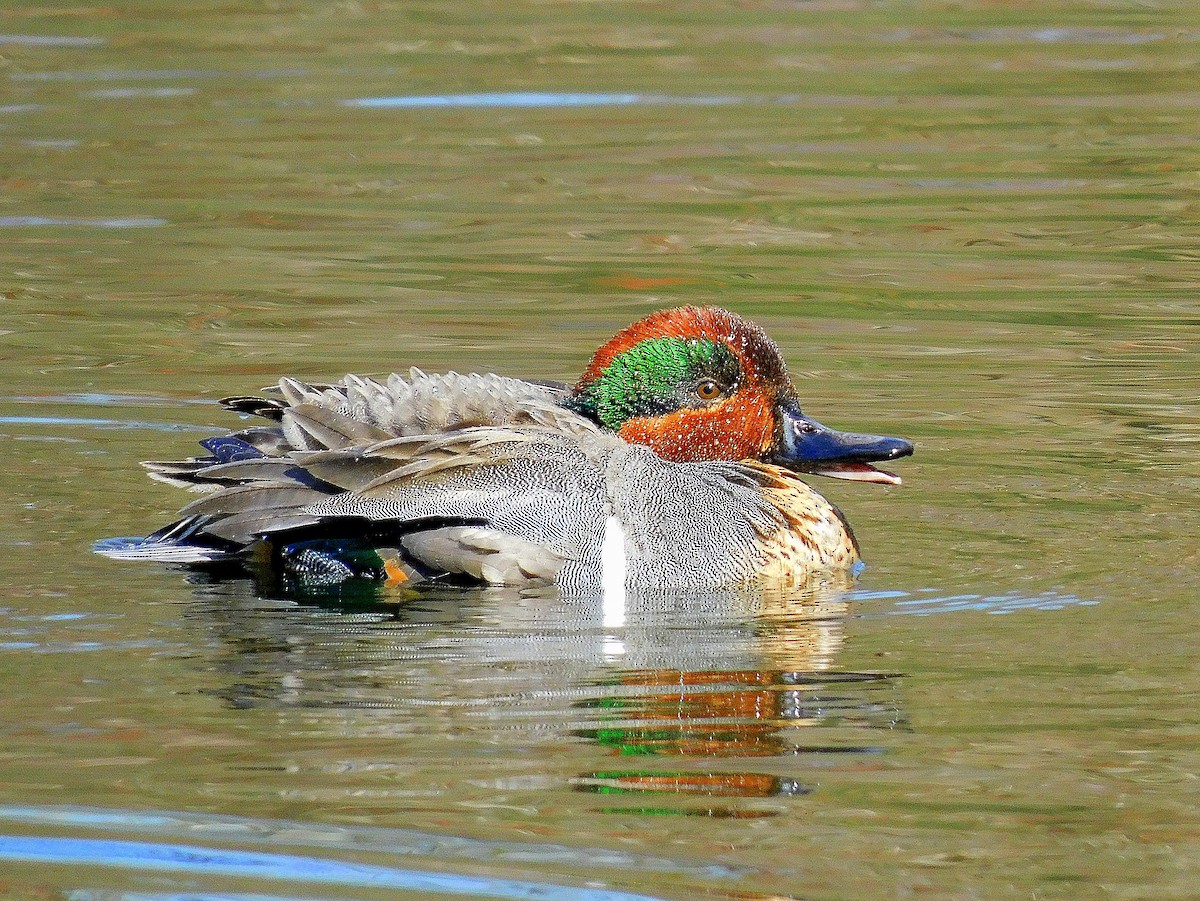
<point>973,224</point>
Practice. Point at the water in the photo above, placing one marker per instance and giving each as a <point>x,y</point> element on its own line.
<point>971,225</point>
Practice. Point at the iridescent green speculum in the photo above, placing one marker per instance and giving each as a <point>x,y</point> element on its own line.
<point>654,377</point>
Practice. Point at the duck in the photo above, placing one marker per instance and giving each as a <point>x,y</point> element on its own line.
<point>678,460</point>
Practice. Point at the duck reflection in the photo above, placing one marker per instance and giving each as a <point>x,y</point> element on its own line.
<point>691,687</point>
<point>699,714</point>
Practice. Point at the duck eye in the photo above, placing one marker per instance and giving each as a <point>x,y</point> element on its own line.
<point>708,390</point>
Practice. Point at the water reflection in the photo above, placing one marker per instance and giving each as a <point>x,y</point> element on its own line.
<point>693,687</point>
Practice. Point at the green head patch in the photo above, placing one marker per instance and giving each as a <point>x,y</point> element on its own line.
<point>655,377</point>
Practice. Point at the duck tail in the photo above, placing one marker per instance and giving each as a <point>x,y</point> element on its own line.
<point>183,541</point>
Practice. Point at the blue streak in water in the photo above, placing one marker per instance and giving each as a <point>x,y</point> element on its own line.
<point>99,398</point>
<point>997,605</point>
<point>285,868</point>
<point>134,93</point>
<point>289,833</point>
<point>535,99</point>
<point>107,423</point>
<point>103,895</point>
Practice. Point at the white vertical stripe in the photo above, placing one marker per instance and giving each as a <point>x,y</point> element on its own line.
<point>612,568</point>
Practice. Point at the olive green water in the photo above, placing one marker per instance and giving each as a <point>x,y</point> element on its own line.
<point>972,224</point>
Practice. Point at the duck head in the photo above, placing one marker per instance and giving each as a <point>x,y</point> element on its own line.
<point>701,383</point>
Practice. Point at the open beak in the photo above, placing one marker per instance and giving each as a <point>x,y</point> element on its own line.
<point>805,445</point>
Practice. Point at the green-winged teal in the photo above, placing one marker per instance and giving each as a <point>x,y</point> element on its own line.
<point>672,461</point>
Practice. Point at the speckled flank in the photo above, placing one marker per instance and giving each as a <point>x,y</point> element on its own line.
<point>813,534</point>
